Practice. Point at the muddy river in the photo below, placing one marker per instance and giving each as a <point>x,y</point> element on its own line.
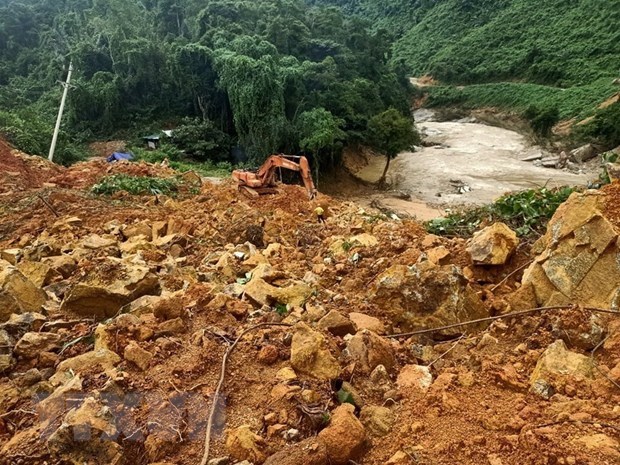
<point>470,164</point>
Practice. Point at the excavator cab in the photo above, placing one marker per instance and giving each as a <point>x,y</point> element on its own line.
<point>264,180</point>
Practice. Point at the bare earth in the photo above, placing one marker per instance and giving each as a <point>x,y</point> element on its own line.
<point>486,159</point>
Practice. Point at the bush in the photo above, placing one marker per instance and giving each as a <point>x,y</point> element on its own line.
<point>542,120</point>
<point>605,128</point>
<point>201,140</point>
<point>181,163</point>
<point>135,185</point>
<point>527,212</point>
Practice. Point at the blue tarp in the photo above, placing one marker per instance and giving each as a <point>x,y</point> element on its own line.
<point>118,156</point>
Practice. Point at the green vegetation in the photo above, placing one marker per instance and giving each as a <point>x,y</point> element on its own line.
<point>135,185</point>
<point>178,161</point>
<point>268,76</point>
<point>391,133</point>
<point>526,212</point>
<point>511,54</point>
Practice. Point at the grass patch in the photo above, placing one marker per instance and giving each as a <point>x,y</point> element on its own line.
<point>135,185</point>
<point>526,212</point>
<point>178,162</point>
<point>574,102</point>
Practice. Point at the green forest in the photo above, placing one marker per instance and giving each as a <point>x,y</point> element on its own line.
<point>556,57</point>
<point>268,76</point>
<point>256,77</point>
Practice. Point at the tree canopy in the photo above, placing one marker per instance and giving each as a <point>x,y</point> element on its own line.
<point>260,75</point>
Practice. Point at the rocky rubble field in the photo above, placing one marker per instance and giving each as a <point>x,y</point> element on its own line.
<point>116,314</point>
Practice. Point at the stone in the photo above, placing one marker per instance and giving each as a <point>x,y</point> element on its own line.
<point>40,274</point>
<point>56,404</point>
<point>584,335</point>
<point>95,242</point>
<point>414,379</point>
<point>494,245</point>
<point>243,444</point>
<point>141,228</point>
<point>7,362</point>
<point>11,255</point>
<point>138,356</point>
<point>578,256</point>
<point>399,458</point>
<point>336,323</point>
<point>106,360</point>
<point>268,355</point>
<point>32,344</point>
<point>310,354</point>
<point>98,299</point>
<point>377,420</point>
<point>86,431</point>
<point>369,350</point>
<point>63,264</point>
<point>427,296</point>
<point>23,322</point>
<point>262,293</point>
<point>438,255</point>
<point>170,328</point>
<point>362,321</point>
<point>344,437</point>
<point>557,364</point>
<point>286,374</point>
<point>224,302</point>
<point>160,442</point>
<point>18,294</point>
<point>308,452</point>
<point>583,153</point>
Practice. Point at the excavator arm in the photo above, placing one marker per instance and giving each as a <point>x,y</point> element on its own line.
<point>265,177</point>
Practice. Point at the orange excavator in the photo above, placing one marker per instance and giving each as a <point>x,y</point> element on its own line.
<point>263,181</point>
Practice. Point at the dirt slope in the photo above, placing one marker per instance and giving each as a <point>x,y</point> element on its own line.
<point>116,315</point>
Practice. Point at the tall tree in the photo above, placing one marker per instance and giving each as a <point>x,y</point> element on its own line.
<point>391,133</point>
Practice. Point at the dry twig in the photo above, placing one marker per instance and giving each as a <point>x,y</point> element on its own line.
<point>498,285</point>
<point>500,317</point>
<point>220,384</point>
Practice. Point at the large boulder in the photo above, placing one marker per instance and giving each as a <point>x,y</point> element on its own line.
<point>101,298</point>
<point>427,296</point>
<point>345,436</point>
<point>493,245</point>
<point>578,258</point>
<point>87,431</point>
<point>369,350</point>
<point>103,360</point>
<point>32,344</point>
<point>18,294</point>
<point>556,366</point>
<point>310,354</point>
<point>262,293</point>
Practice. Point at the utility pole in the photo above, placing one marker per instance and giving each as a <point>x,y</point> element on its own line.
<point>60,112</point>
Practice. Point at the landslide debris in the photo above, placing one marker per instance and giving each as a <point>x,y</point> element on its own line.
<point>115,316</point>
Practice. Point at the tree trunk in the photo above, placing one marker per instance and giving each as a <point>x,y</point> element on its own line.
<point>385,171</point>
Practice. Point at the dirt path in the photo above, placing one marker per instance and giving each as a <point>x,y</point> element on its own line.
<point>472,164</point>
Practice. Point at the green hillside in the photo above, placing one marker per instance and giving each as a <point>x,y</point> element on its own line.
<point>559,56</point>
<point>259,77</point>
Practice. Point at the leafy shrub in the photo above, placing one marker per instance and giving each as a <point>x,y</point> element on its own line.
<point>135,185</point>
<point>542,120</point>
<point>201,140</point>
<point>179,162</point>
<point>605,128</point>
<point>527,212</point>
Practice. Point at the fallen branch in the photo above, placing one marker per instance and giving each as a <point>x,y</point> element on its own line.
<point>595,364</point>
<point>220,384</point>
<point>498,285</point>
<point>8,414</point>
<point>500,317</point>
<point>48,205</point>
